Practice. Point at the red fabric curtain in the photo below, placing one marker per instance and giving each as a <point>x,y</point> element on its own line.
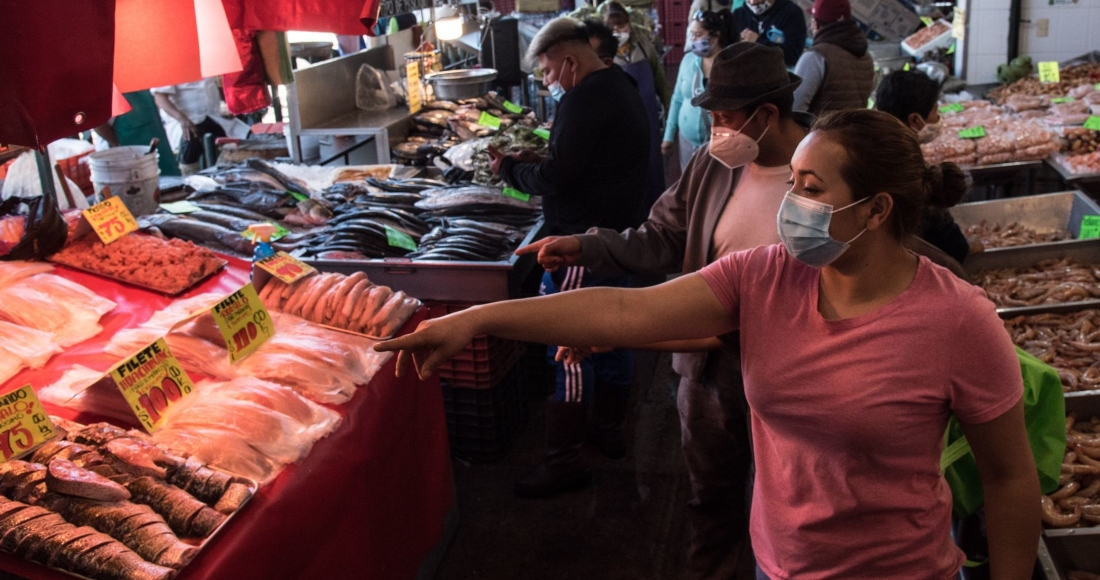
<point>55,69</point>
<point>338,16</point>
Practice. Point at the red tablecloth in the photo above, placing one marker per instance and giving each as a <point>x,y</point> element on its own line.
<point>369,501</point>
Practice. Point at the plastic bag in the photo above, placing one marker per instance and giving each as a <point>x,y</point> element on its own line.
<point>81,389</point>
<point>1045,418</point>
<point>23,347</point>
<point>371,90</point>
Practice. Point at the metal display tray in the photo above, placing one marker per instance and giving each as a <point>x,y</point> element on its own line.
<point>1084,250</point>
<point>1072,549</point>
<point>977,171</point>
<point>1067,174</point>
<point>1047,212</point>
<point>445,281</point>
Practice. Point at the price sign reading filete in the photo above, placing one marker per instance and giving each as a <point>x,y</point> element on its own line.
<point>110,219</point>
<point>243,322</point>
<point>151,381</point>
<point>1090,227</point>
<point>415,89</point>
<point>24,424</point>
<point>286,267</point>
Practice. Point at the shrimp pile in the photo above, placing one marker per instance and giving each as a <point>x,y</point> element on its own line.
<point>1053,281</point>
<point>1068,342</point>
<point>1076,503</point>
<point>995,235</point>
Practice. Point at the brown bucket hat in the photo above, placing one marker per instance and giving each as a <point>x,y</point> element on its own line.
<point>745,73</point>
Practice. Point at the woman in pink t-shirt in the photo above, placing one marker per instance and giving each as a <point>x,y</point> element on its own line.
<point>855,353</point>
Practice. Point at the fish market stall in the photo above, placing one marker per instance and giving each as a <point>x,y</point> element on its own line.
<point>424,236</point>
<point>273,456</point>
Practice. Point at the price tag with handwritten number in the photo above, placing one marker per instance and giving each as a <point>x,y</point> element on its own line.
<point>243,321</point>
<point>110,219</point>
<point>487,120</point>
<point>415,89</point>
<point>1048,72</point>
<point>152,381</point>
<point>24,424</point>
<point>400,239</point>
<point>286,267</point>
<point>542,132</point>
<point>972,132</point>
<point>1092,123</point>
<point>952,108</point>
<point>516,194</point>
<point>1090,227</point>
<point>512,107</point>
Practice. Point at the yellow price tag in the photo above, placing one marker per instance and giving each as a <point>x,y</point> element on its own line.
<point>1048,72</point>
<point>151,381</point>
<point>415,89</point>
<point>24,424</point>
<point>110,219</point>
<point>286,267</point>
<point>243,322</point>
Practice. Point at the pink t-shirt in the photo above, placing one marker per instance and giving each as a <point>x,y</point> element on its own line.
<point>848,415</point>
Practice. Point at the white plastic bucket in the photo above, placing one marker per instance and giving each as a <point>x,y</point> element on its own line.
<point>130,173</point>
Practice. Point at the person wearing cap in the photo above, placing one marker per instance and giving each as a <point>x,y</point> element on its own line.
<point>778,23</point>
<point>637,45</point>
<point>726,200</point>
<point>837,71</point>
<point>593,176</point>
<point>708,34</point>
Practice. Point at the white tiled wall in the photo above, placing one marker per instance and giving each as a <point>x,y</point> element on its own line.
<point>986,39</point>
<point>1072,32</point>
<point>1072,29</point>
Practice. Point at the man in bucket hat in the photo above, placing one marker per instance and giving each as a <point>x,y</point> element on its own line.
<point>727,200</point>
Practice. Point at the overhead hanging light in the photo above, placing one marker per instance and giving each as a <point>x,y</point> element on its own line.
<point>448,27</point>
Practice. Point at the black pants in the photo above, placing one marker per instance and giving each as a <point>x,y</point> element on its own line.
<point>191,150</point>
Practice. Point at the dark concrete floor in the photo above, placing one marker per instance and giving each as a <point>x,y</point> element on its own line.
<point>630,524</point>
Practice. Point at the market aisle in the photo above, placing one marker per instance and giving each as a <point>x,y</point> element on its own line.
<point>630,524</point>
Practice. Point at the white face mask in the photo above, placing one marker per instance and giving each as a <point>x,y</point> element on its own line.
<point>760,8</point>
<point>556,90</point>
<point>734,149</point>
<point>928,132</point>
<point>804,230</point>
<point>622,37</point>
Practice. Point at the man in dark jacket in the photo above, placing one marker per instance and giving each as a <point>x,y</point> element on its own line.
<point>778,23</point>
<point>594,176</point>
<point>837,72</point>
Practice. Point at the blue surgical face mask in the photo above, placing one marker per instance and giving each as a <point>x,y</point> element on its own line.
<point>556,92</point>
<point>804,229</point>
<point>701,46</point>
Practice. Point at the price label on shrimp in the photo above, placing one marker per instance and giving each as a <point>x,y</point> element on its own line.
<point>110,219</point>
<point>152,381</point>
<point>1092,123</point>
<point>243,322</point>
<point>286,267</point>
<point>1090,227</point>
<point>24,424</point>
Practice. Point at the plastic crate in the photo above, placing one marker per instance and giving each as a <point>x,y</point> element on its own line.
<point>78,170</point>
<point>484,374</point>
<point>482,423</point>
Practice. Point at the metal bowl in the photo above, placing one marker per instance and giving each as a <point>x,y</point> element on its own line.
<point>453,85</point>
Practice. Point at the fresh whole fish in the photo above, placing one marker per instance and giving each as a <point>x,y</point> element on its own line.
<point>197,231</point>
<point>288,183</point>
<point>233,210</point>
<point>452,197</point>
